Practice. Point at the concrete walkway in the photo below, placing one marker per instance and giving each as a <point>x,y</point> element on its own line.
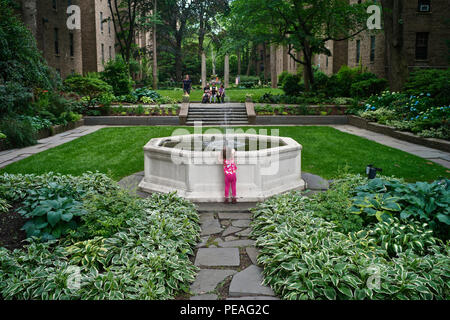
<point>437,156</point>
<point>14,155</point>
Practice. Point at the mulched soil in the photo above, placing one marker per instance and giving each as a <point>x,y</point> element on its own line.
<point>11,237</point>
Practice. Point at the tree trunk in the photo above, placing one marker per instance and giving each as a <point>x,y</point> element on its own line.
<point>239,62</point>
<point>178,58</point>
<point>155,53</point>
<point>273,66</point>
<point>213,61</point>
<point>227,71</point>
<point>203,69</point>
<point>308,74</point>
<point>393,30</point>
<point>29,13</point>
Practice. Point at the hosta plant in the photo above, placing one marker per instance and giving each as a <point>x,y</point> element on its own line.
<point>304,257</point>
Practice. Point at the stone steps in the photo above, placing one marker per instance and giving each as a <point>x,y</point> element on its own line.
<point>217,114</point>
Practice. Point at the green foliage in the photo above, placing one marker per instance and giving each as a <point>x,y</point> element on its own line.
<point>52,211</point>
<point>366,88</point>
<point>432,81</point>
<point>282,77</point>
<point>4,206</point>
<point>89,87</point>
<point>13,97</point>
<point>425,202</point>
<point>117,75</point>
<point>21,63</point>
<point>249,81</point>
<point>19,133</point>
<point>292,85</point>
<point>143,255</point>
<point>333,205</point>
<point>304,257</point>
<point>147,93</point>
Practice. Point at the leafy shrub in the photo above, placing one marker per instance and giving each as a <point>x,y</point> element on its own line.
<point>430,81</point>
<point>282,78</point>
<point>117,75</point>
<point>19,133</point>
<point>292,85</point>
<point>366,88</point>
<point>22,64</point>
<point>304,257</point>
<point>88,87</point>
<point>143,255</point>
<point>421,201</point>
<point>148,93</point>
<point>13,97</point>
<point>249,81</point>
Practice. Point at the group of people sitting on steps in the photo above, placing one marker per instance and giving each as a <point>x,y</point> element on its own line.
<point>211,92</point>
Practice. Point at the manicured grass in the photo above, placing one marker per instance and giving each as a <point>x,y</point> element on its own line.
<point>118,152</point>
<point>235,95</point>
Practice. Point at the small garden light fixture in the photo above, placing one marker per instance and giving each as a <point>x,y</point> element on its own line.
<point>371,171</point>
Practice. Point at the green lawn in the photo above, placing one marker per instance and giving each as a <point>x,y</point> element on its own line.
<point>235,95</point>
<point>118,152</point>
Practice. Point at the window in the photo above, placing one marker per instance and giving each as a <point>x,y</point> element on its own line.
<point>54,5</point>
<point>358,51</point>
<point>109,25</point>
<point>103,53</point>
<point>372,48</point>
<point>422,45</point>
<point>101,21</point>
<point>71,44</point>
<point>327,62</point>
<point>56,38</point>
<point>110,53</point>
<point>424,6</point>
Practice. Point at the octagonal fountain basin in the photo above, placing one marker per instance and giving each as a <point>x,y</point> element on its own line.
<point>190,165</point>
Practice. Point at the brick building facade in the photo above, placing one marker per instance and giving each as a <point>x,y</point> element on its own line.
<point>425,34</point>
<point>74,51</point>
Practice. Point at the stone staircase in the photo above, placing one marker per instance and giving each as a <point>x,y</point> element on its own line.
<point>214,114</point>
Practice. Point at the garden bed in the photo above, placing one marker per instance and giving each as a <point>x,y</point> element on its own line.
<point>44,133</point>
<point>401,135</point>
<point>296,110</point>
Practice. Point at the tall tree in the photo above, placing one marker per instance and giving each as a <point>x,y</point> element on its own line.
<point>302,25</point>
<point>175,15</point>
<point>393,32</point>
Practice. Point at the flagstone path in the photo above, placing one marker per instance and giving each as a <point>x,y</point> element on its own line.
<point>227,257</point>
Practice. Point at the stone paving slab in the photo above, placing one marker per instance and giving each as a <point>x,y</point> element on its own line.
<point>211,226</point>
<point>208,279</point>
<point>215,257</point>
<point>237,244</point>
<point>254,298</point>
<point>241,223</point>
<point>208,296</point>
<point>244,233</point>
<point>252,253</point>
<point>230,230</point>
<point>235,215</point>
<point>314,182</point>
<point>248,283</point>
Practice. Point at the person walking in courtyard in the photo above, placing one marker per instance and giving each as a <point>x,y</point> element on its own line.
<point>187,85</point>
<point>227,157</point>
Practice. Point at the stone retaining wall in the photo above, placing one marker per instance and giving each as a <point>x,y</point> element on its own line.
<point>401,135</point>
<point>300,120</point>
<point>132,121</point>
